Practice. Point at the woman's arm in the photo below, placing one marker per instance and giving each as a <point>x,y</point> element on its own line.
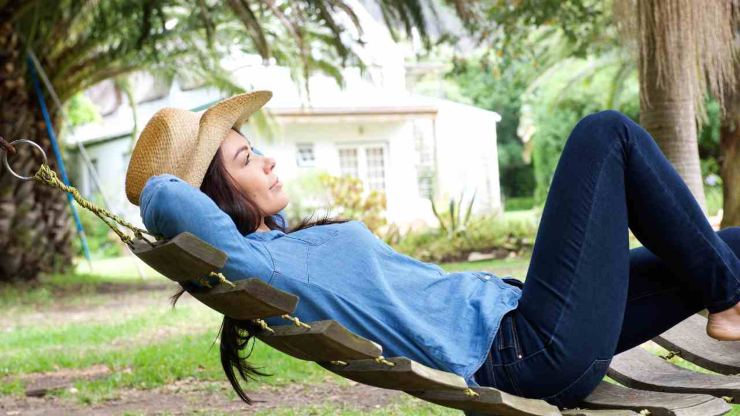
<point>170,206</point>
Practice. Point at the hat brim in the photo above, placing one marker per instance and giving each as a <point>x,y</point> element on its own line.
<point>215,124</point>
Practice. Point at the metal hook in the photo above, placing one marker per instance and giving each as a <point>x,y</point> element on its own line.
<point>7,145</point>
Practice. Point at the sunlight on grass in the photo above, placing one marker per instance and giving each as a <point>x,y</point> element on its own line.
<point>50,288</point>
<point>125,266</point>
<point>73,345</point>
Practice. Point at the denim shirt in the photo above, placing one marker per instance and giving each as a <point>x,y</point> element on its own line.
<point>343,272</point>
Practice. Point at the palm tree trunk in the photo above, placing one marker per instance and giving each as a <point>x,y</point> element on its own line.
<point>729,147</point>
<point>729,150</point>
<point>35,232</point>
<point>667,112</point>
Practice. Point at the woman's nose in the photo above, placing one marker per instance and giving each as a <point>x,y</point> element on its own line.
<point>269,164</point>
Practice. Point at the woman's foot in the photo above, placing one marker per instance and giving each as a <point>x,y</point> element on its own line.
<point>725,325</point>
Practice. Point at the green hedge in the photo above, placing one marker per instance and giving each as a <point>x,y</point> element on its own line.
<point>518,203</point>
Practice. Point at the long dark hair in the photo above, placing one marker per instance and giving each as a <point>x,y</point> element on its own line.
<point>235,334</point>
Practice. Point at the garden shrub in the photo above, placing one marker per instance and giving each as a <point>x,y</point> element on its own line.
<point>483,234</point>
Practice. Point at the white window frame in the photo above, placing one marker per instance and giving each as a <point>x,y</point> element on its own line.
<point>302,163</point>
<point>362,166</point>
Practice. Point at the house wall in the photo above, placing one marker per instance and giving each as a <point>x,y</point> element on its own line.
<point>460,139</point>
<point>467,157</point>
<point>404,202</point>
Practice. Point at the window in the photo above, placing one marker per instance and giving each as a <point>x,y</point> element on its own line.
<point>423,140</point>
<point>375,168</point>
<point>305,156</point>
<point>91,172</point>
<point>348,162</point>
<point>366,162</point>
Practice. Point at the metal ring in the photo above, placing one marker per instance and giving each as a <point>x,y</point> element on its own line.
<point>7,165</point>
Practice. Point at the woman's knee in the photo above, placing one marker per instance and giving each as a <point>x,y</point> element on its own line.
<point>601,129</point>
<point>609,119</point>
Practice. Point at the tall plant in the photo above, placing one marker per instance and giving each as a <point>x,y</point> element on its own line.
<point>453,222</point>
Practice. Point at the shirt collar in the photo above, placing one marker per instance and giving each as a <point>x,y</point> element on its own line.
<point>265,235</point>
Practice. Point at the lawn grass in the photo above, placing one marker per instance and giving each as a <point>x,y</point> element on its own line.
<point>70,286</point>
<point>156,346</point>
<point>79,345</point>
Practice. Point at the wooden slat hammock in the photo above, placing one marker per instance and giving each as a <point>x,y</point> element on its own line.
<point>654,386</point>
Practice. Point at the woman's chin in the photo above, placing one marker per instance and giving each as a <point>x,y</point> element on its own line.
<point>284,204</point>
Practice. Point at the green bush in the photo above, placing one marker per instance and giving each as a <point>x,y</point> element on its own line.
<point>316,191</point>
<point>349,199</point>
<point>483,234</point>
<point>518,203</point>
<point>713,196</point>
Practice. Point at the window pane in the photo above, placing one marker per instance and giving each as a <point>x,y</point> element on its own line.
<point>348,162</point>
<point>305,155</point>
<point>375,168</point>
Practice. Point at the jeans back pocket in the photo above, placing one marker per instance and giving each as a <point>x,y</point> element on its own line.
<point>507,341</point>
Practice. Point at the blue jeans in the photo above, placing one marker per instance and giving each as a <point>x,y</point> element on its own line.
<point>587,296</point>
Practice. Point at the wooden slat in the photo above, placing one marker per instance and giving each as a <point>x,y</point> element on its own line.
<point>691,340</point>
<point>250,299</point>
<point>184,257</point>
<point>592,412</point>
<point>610,396</point>
<point>490,401</point>
<point>324,341</point>
<point>406,375</point>
<point>638,368</point>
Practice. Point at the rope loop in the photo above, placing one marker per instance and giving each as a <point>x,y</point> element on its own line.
<point>671,354</point>
<point>222,279</point>
<point>470,393</point>
<point>296,321</point>
<point>264,325</point>
<point>381,360</point>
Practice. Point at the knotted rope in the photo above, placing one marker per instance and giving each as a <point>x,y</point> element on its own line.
<point>48,177</point>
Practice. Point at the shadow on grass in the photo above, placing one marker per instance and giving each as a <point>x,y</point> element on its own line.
<point>56,287</point>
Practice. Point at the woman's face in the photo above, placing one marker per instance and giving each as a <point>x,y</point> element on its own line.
<point>253,173</point>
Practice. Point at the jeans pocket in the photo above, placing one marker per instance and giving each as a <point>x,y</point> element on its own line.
<point>507,341</point>
<point>582,386</point>
<point>518,339</point>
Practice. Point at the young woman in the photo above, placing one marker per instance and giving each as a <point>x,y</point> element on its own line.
<point>586,296</point>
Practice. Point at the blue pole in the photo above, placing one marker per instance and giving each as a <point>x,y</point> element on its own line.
<point>58,155</point>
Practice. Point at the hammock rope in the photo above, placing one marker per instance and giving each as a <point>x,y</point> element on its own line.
<point>48,177</point>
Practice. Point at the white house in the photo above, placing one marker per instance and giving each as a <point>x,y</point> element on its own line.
<point>396,142</point>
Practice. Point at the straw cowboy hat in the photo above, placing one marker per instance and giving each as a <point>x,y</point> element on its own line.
<point>183,143</point>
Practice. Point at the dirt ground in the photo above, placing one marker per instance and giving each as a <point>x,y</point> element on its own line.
<point>187,397</point>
